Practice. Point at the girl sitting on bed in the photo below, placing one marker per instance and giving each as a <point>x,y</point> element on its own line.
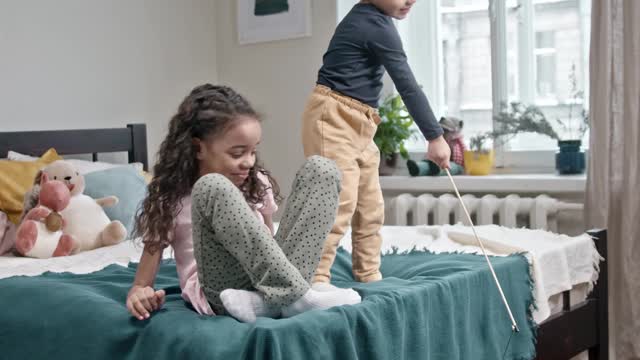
<point>212,202</point>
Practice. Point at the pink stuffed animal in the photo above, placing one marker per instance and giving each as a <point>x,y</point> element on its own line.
<point>40,234</point>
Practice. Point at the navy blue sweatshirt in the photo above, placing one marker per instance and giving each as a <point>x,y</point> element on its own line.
<point>365,43</point>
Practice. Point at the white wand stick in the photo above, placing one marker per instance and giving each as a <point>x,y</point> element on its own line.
<point>514,326</point>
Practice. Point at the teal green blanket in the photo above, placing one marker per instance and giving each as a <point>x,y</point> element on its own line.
<point>428,306</point>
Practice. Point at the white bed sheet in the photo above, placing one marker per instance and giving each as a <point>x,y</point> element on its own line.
<point>82,263</point>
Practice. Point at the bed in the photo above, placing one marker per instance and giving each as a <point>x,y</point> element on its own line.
<point>421,309</point>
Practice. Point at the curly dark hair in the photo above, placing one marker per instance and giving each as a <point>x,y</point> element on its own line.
<point>207,111</point>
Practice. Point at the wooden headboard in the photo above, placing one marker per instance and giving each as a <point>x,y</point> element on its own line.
<point>131,139</point>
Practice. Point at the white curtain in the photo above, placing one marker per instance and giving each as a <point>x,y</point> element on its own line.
<point>613,184</point>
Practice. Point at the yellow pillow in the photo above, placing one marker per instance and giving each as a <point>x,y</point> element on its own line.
<point>147,177</point>
<point>16,178</point>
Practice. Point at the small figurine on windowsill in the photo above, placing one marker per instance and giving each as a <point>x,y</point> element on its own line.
<point>453,136</point>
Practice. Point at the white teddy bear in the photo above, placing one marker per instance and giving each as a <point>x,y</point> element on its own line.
<point>84,219</point>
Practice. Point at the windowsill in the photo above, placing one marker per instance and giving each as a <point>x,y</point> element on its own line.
<point>496,183</point>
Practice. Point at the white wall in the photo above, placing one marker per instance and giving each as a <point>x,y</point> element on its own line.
<point>277,77</point>
<point>344,6</point>
<point>92,64</point>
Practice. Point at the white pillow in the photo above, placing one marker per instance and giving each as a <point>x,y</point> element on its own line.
<point>83,166</point>
<point>16,156</point>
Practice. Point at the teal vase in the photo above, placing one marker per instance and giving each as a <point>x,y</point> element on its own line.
<point>570,160</point>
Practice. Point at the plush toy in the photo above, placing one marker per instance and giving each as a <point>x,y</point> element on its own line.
<point>85,222</point>
<point>453,136</point>
<point>40,232</point>
<point>429,168</point>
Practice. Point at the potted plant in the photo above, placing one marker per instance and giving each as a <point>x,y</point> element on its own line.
<point>394,129</point>
<point>512,119</point>
<point>570,159</point>
<point>478,160</point>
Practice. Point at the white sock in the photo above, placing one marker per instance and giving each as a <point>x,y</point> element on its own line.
<point>246,305</point>
<point>328,287</point>
<point>316,300</point>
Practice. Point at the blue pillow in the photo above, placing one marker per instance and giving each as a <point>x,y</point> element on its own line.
<point>124,182</point>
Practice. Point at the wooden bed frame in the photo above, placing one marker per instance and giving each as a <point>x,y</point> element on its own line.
<point>584,326</point>
<point>578,328</point>
<point>131,139</point>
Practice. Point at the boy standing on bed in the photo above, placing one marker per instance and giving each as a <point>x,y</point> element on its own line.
<point>340,120</point>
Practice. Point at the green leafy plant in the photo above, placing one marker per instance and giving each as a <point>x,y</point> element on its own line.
<point>513,119</point>
<point>394,128</point>
<point>477,143</point>
<point>517,118</point>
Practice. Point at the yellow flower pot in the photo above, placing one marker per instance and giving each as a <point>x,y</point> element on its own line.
<point>478,163</point>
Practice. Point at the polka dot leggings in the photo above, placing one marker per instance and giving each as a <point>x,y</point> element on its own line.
<point>233,249</point>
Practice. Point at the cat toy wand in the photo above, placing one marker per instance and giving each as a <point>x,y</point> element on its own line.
<point>514,326</point>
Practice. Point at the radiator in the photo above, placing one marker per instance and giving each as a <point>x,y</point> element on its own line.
<point>510,211</point>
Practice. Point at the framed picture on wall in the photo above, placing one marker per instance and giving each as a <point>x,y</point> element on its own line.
<point>269,20</point>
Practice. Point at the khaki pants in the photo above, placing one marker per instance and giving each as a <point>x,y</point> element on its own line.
<point>340,128</point>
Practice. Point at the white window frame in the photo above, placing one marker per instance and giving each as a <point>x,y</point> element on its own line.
<point>426,30</point>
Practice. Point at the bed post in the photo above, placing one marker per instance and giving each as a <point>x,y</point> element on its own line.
<point>138,152</point>
<point>601,293</point>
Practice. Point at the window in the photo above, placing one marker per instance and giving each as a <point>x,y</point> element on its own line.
<point>545,53</point>
<point>467,63</point>
<point>472,55</point>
